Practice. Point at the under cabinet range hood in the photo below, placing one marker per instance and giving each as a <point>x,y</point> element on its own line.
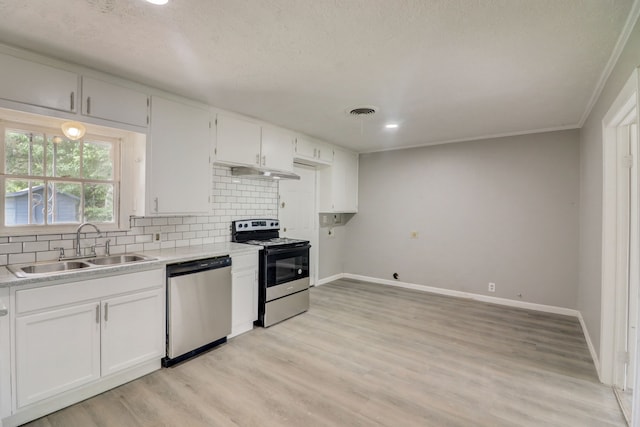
<point>250,172</point>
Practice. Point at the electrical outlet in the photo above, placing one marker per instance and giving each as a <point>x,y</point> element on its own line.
<point>414,234</point>
<point>492,287</point>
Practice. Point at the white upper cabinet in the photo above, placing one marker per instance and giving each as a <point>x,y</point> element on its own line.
<point>338,184</point>
<point>109,101</point>
<point>243,143</point>
<point>237,141</point>
<point>178,170</point>
<point>277,149</point>
<point>312,153</point>
<point>37,84</point>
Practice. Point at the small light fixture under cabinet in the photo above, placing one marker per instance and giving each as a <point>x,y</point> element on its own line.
<point>73,130</point>
<point>391,126</point>
<point>158,2</point>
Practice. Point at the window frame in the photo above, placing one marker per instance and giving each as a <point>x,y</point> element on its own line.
<point>90,136</point>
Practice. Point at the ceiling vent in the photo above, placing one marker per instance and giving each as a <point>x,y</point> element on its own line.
<point>362,111</point>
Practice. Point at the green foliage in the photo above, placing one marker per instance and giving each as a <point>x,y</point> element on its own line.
<point>52,158</point>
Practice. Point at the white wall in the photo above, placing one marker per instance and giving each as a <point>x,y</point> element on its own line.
<point>500,210</point>
<point>590,254</point>
<point>331,251</point>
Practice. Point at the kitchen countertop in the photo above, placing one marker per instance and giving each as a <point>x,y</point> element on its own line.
<point>162,257</point>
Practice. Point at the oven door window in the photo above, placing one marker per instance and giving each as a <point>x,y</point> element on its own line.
<point>288,266</point>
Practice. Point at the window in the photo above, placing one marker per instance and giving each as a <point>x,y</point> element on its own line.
<point>51,181</point>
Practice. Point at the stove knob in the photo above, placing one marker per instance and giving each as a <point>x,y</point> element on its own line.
<point>299,271</point>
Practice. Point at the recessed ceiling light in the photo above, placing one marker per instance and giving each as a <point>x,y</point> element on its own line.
<point>391,126</point>
<point>158,2</point>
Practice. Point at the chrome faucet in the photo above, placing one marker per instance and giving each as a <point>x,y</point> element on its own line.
<point>78,251</point>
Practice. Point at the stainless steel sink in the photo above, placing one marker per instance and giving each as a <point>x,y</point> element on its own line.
<point>118,259</point>
<point>46,268</point>
<point>50,268</point>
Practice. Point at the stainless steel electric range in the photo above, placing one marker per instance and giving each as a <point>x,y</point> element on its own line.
<point>284,269</point>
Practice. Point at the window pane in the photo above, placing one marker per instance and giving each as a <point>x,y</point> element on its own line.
<point>16,202</point>
<point>64,202</point>
<point>24,153</point>
<point>63,157</point>
<point>98,160</point>
<point>98,202</point>
<point>37,155</point>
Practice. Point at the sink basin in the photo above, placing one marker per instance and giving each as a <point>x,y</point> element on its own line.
<point>48,268</point>
<point>118,259</point>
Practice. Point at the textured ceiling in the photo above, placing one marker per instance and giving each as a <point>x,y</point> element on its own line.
<point>444,69</point>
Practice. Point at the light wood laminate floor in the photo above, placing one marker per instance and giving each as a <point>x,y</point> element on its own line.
<point>373,355</point>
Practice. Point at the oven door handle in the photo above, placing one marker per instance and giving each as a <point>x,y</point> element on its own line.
<point>274,251</point>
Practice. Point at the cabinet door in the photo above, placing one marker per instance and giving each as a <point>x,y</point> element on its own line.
<point>36,84</point>
<point>244,297</point>
<point>277,149</point>
<point>56,351</point>
<point>237,141</point>
<point>5,354</point>
<point>132,330</point>
<point>338,184</point>
<point>179,170</point>
<point>345,184</point>
<point>313,153</point>
<point>305,149</point>
<point>325,153</point>
<point>112,102</point>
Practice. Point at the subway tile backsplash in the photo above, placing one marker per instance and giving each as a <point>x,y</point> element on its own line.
<point>232,198</point>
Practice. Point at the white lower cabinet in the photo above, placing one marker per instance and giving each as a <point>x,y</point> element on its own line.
<point>56,351</point>
<point>130,330</point>
<point>244,293</point>
<point>74,340</point>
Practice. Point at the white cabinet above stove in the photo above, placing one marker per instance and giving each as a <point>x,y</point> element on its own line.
<point>241,142</point>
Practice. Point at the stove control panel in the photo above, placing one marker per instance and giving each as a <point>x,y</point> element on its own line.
<point>256,225</point>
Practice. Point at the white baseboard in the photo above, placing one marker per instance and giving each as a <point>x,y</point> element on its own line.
<point>330,279</point>
<point>467,295</point>
<point>592,350</point>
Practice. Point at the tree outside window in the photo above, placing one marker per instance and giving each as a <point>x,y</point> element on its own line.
<point>50,180</point>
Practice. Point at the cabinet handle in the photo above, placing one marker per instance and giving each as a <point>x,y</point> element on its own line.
<point>73,101</point>
<point>264,160</point>
<point>319,154</point>
<point>315,150</point>
<point>106,311</point>
<point>98,313</point>
<point>258,159</point>
<point>156,206</point>
<point>88,105</point>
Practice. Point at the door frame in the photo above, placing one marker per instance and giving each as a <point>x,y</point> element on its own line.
<point>623,110</point>
<point>315,240</point>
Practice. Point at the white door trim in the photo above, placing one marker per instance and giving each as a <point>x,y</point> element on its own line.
<point>619,114</point>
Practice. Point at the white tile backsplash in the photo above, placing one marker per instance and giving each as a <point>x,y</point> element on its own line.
<point>232,198</point>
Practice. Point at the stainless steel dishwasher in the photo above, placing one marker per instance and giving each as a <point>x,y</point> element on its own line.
<point>198,307</point>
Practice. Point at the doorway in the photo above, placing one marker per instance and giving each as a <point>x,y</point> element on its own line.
<point>620,248</point>
<point>297,212</point>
